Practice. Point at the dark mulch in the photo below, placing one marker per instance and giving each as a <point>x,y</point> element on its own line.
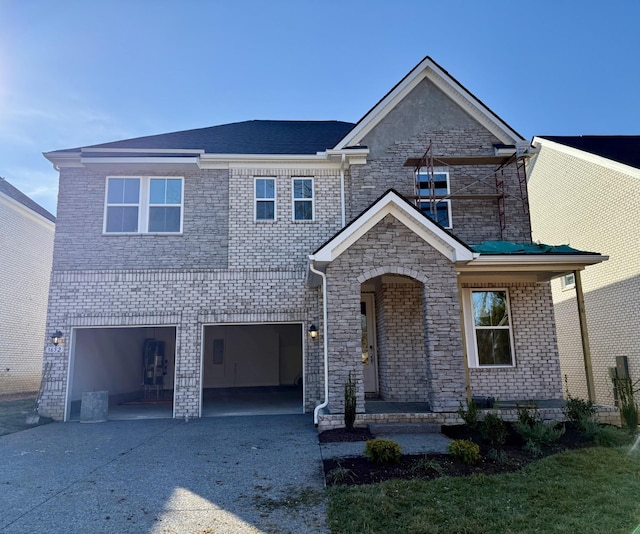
<point>511,457</point>
<point>342,434</point>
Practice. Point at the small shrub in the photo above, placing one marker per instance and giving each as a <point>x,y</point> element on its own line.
<point>610,436</point>
<point>579,411</point>
<point>528,416</point>
<point>383,451</point>
<point>465,451</point>
<point>498,456</point>
<point>426,466</point>
<point>538,435</point>
<point>339,475</point>
<point>494,430</point>
<point>470,415</point>
<point>349,404</point>
<point>628,407</point>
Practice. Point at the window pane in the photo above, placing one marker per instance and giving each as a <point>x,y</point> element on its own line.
<point>157,191</point>
<point>490,308</point>
<point>302,189</point>
<point>164,219</point>
<point>131,191</point>
<point>494,347</point>
<point>174,191</point>
<point>440,184</point>
<point>303,210</point>
<point>115,194</point>
<point>265,188</point>
<point>265,210</point>
<point>122,219</point>
<point>442,212</point>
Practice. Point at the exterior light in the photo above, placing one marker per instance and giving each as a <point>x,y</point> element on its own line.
<point>313,331</point>
<point>56,337</point>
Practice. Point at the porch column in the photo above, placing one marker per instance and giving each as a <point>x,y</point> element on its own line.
<point>584,335</point>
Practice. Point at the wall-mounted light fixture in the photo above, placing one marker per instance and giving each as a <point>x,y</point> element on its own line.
<point>56,337</point>
<point>313,331</point>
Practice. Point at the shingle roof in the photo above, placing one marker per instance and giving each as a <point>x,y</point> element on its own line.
<point>19,196</point>
<point>249,137</point>
<point>621,148</point>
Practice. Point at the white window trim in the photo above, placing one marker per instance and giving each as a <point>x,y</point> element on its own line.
<point>312,199</point>
<point>143,205</point>
<point>470,330</point>
<point>438,199</point>
<point>256,199</point>
<point>565,285</point>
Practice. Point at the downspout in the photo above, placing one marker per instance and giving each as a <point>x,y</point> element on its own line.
<point>325,403</point>
<point>342,206</point>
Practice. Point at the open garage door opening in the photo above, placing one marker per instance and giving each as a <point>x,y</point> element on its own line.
<point>135,366</point>
<point>252,369</point>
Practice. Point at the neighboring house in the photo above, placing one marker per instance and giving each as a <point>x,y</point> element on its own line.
<point>585,191</point>
<point>26,242</point>
<point>273,254</point>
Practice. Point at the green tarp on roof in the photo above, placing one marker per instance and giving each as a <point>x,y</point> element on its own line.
<point>506,247</point>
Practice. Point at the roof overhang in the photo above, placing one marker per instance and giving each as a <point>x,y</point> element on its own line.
<point>391,203</point>
<point>429,69</point>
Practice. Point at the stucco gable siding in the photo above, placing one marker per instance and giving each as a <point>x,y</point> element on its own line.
<point>592,207</point>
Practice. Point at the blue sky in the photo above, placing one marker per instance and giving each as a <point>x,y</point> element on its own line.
<point>79,72</point>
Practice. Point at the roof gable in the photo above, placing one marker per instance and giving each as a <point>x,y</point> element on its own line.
<point>392,203</point>
<point>623,149</point>
<point>428,68</point>
<point>17,195</point>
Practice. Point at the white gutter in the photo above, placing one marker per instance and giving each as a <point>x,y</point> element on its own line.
<point>342,207</point>
<point>324,341</point>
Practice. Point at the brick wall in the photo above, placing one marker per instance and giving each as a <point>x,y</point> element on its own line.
<point>26,242</point>
<point>595,208</point>
<point>536,374</point>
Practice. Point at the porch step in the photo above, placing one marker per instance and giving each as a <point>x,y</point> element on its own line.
<point>403,428</point>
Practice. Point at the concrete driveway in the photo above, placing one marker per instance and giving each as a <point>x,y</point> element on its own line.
<point>216,475</point>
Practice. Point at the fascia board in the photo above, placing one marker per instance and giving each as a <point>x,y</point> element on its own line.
<point>389,205</point>
<point>267,161</point>
<point>143,150</point>
<point>564,262</point>
<point>143,160</point>
<point>588,156</point>
<point>428,69</point>
<point>64,159</point>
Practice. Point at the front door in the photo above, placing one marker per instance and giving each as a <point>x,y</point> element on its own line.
<point>369,363</point>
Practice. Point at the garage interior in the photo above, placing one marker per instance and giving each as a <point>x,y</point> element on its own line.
<point>252,369</point>
<point>247,370</point>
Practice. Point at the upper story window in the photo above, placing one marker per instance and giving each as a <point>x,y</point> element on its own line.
<point>143,205</point>
<point>303,199</point>
<point>432,204</point>
<point>265,199</point>
<point>568,281</point>
<point>488,327</point>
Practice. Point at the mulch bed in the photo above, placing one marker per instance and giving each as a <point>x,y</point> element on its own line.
<point>513,457</point>
<point>342,435</point>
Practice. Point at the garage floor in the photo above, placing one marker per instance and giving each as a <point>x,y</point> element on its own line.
<point>216,402</point>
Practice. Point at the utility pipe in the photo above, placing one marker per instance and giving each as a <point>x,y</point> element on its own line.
<point>324,342</point>
<point>342,206</point>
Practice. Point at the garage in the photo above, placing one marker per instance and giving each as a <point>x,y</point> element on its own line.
<point>134,365</point>
<point>252,369</point>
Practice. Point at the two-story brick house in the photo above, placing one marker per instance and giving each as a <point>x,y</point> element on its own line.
<point>274,254</point>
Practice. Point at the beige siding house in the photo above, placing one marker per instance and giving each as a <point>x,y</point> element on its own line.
<point>272,260</point>
<point>585,192</point>
<point>26,242</point>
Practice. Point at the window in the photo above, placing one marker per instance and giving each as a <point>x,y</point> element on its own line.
<point>569,281</point>
<point>265,199</point>
<point>303,199</point>
<point>489,334</point>
<point>431,201</point>
<point>143,205</point>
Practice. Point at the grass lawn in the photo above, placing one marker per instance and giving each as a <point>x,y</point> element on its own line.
<point>588,490</point>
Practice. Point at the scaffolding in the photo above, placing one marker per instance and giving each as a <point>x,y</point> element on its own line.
<point>426,166</point>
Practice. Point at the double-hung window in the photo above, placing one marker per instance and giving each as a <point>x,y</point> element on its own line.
<point>143,205</point>
<point>303,199</point>
<point>265,199</point>
<point>489,333</point>
<point>432,203</point>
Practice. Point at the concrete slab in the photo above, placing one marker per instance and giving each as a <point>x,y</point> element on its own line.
<point>226,474</point>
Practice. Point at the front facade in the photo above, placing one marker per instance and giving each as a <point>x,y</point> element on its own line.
<point>229,245</point>
<point>26,241</point>
<point>574,183</point>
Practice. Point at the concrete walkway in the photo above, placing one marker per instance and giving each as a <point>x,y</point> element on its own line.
<point>214,475</point>
<point>428,443</point>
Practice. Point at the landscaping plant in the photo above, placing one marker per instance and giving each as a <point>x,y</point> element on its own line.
<point>349,403</point>
<point>469,415</point>
<point>494,430</point>
<point>536,433</point>
<point>628,406</point>
<point>464,450</point>
<point>382,451</point>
